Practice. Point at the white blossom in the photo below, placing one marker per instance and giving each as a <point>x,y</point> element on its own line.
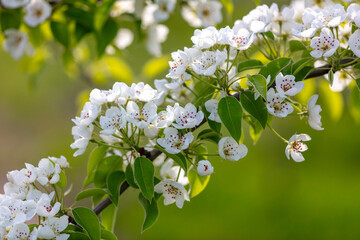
<point>325,45</point>
<point>15,211</point>
<point>14,3</point>
<point>174,142</point>
<point>296,146</point>
<point>314,118</point>
<point>52,228</point>
<point>44,207</point>
<point>47,172</point>
<point>13,190</point>
<point>283,18</point>
<point>208,61</point>
<point>354,42</point>
<point>141,118</point>
<point>62,162</point>
<point>22,232</point>
<point>157,34</point>
<point>181,60</point>
<point>231,150</point>
<point>276,105</point>
<point>168,171</point>
<point>331,16</point>
<point>172,192</point>
<point>286,85</point>
<point>16,43</point>
<point>165,118</point>
<point>37,11</point>
<point>202,13</point>
<point>204,168</point>
<point>124,38</point>
<point>258,20</point>
<point>212,107</point>
<point>121,6</point>
<point>82,135</point>
<point>187,117</point>
<point>88,114</point>
<point>340,82</point>
<point>205,38</point>
<point>163,10</point>
<point>2,232</point>
<point>114,119</point>
<point>143,92</point>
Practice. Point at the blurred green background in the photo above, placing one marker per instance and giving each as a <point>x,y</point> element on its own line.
<point>263,196</point>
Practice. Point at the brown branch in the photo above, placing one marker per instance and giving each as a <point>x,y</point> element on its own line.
<point>153,154</point>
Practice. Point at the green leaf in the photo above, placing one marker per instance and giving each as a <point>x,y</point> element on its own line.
<point>229,6</point>
<point>354,105</point>
<point>88,220</point>
<point>270,35</point>
<point>107,235</point>
<point>102,14</point>
<point>249,64</point>
<point>255,108</point>
<point>212,124</point>
<point>80,16</point>
<point>198,183</point>
<point>151,211</point>
<point>108,217</point>
<point>210,135</point>
<point>80,31</point>
<point>302,74</point>
<point>178,158</point>
<point>106,36</point>
<point>230,113</point>
<point>78,236</point>
<point>10,19</point>
<point>62,182</point>
<point>114,181</point>
<point>60,32</point>
<point>95,158</point>
<point>90,193</point>
<point>203,90</point>
<point>331,77</point>
<point>298,66</point>
<point>274,67</point>
<point>296,45</point>
<point>129,174</point>
<point>107,166</point>
<point>259,83</point>
<point>255,128</point>
<point>144,176</point>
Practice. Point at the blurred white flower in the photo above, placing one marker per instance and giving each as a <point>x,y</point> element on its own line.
<point>16,43</point>
<point>314,118</point>
<point>202,13</point>
<point>168,171</point>
<point>212,107</point>
<point>354,42</point>
<point>163,10</point>
<point>124,38</point>
<point>157,34</point>
<point>14,3</point>
<point>37,11</point>
<point>122,6</point>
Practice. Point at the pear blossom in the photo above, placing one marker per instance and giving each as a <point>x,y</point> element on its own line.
<point>331,16</point>
<point>114,119</point>
<point>340,82</point>
<point>37,11</point>
<point>296,146</point>
<point>314,118</point>
<point>82,135</point>
<point>48,172</point>
<point>165,118</point>
<point>88,114</point>
<point>258,20</point>
<point>22,232</point>
<point>164,8</point>
<point>204,168</point>
<point>157,34</point>
<point>121,93</point>
<point>307,29</point>
<point>187,117</point>
<point>172,192</point>
<point>143,92</point>
<point>242,39</point>
<point>174,142</point>
<point>33,194</point>
<point>16,43</point>
<point>181,61</point>
<point>286,85</point>
<point>168,171</point>
<point>354,42</point>
<point>62,162</point>
<point>325,45</point>
<point>44,207</point>
<point>15,191</point>
<point>120,7</point>
<point>24,176</point>
<point>141,118</point>
<point>124,38</point>
<point>203,13</point>
<point>207,62</point>
<point>212,107</point>
<point>16,211</point>
<point>52,228</point>
<point>205,38</point>
<point>276,105</point>
<point>2,232</point>
<point>151,131</point>
<point>231,150</point>
<point>284,17</point>
<point>14,4</point>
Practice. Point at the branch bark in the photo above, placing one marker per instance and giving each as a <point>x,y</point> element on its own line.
<point>152,155</point>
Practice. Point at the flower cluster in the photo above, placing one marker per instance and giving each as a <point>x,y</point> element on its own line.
<point>23,200</point>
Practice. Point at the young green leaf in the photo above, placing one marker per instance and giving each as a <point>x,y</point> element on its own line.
<point>10,19</point>
<point>114,181</point>
<point>357,81</point>
<point>78,236</point>
<point>62,182</point>
<point>259,83</point>
<point>296,45</point>
<point>331,77</point>
<point>197,183</point>
<point>151,211</point>
<point>102,13</point>
<point>60,32</point>
<point>255,108</point>
<point>274,67</point>
<point>270,35</point>
<point>106,36</point>
<point>208,134</point>
<point>129,174</point>
<point>144,176</point>
<point>249,64</point>
<point>90,193</point>
<point>107,235</point>
<point>88,220</point>
<point>178,158</point>
<point>230,113</point>
<point>107,166</point>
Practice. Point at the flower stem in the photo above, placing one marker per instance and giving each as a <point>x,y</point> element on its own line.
<point>277,134</point>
